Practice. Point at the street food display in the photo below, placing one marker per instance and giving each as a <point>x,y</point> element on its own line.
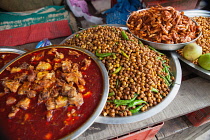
<point>139,76</point>
<point>49,93</point>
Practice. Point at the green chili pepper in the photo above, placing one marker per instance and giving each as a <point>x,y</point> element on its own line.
<point>159,58</point>
<point>136,102</point>
<point>140,42</point>
<point>124,54</point>
<point>154,90</point>
<point>136,110</point>
<point>117,70</point>
<point>103,54</point>
<point>77,35</point>
<point>111,93</point>
<point>166,80</point>
<point>155,50</point>
<point>124,35</point>
<point>101,58</point>
<point>163,61</point>
<point>124,102</point>
<point>166,70</point>
<point>117,83</point>
<point>114,56</point>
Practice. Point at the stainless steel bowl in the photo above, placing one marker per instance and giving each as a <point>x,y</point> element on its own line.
<point>177,72</point>
<point>11,51</point>
<point>104,94</point>
<point>163,46</point>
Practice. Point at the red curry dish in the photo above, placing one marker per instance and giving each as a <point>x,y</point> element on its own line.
<point>48,93</point>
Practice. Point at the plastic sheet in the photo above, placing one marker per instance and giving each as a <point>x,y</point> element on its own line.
<point>118,14</point>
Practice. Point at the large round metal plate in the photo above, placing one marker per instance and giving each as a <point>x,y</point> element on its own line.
<point>104,94</point>
<point>177,72</point>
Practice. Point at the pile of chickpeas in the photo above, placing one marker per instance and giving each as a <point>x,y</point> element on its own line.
<point>140,71</point>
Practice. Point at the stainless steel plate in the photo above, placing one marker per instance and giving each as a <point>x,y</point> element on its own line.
<point>196,68</point>
<point>11,50</point>
<point>177,72</point>
<point>104,96</point>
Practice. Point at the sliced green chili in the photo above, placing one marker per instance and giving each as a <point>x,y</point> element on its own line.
<point>154,90</point>
<point>117,83</point>
<point>124,102</point>
<point>136,110</point>
<point>159,58</point>
<point>111,93</point>
<point>166,80</point>
<point>114,55</point>
<point>101,58</point>
<point>124,35</point>
<point>163,61</point>
<point>102,54</point>
<point>166,70</point>
<point>117,70</point>
<point>124,54</point>
<point>136,102</point>
<point>155,50</point>
<point>140,42</point>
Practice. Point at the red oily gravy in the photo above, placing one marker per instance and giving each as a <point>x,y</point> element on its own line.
<point>6,57</point>
<point>31,122</point>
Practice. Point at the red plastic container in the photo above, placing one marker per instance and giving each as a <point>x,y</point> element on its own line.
<point>199,117</point>
<point>144,134</point>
